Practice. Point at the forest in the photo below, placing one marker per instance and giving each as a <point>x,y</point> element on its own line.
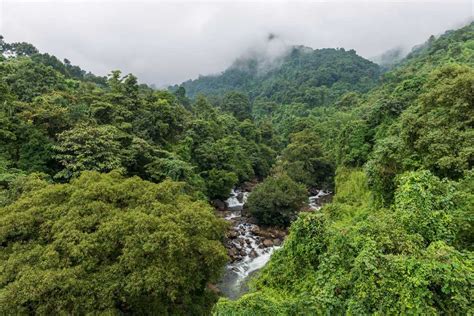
<point>108,186</point>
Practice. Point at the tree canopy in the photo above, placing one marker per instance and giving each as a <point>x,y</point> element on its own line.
<point>107,244</point>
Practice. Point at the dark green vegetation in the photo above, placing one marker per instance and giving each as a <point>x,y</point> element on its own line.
<point>315,77</point>
<point>398,237</point>
<point>277,200</point>
<point>354,258</point>
<point>103,243</point>
<point>104,181</point>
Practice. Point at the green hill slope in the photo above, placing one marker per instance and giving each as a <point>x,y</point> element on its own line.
<point>398,237</point>
<point>300,75</point>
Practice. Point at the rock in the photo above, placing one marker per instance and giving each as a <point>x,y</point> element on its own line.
<point>232,234</point>
<point>219,205</point>
<point>255,230</point>
<point>238,247</point>
<point>232,253</point>
<point>243,253</point>
<point>253,254</point>
<point>249,185</point>
<point>248,241</point>
<point>268,243</point>
<point>277,241</point>
<point>240,197</point>
<point>264,233</point>
<point>245,212</point>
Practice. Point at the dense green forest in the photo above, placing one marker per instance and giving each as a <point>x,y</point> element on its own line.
<point>106,184</point>
<point>315,77</point>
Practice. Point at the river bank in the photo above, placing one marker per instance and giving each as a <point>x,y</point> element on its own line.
<point>249,245</point>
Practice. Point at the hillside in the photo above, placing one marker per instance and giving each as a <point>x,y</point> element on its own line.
<point>107,186</point>
<point>300,74</point>
<point>398,237</point>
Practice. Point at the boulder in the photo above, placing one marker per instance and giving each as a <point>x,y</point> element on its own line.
<point>232,234</point>
<point>255,230</point>
<point>277,241</point>
<point>232,252</point>
<point>219,205</point>
<point>268,243</point>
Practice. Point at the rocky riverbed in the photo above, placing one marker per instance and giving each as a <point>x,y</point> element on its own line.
<point>250,246</point>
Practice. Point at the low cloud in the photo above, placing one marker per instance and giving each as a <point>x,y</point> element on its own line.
<point>170,42</point>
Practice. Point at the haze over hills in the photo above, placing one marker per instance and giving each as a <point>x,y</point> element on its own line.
<point>112,192</point>
<point>298,74</point>
<point>168,42</point>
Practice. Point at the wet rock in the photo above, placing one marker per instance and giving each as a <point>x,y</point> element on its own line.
<point>240,197</point>
<point>249,185</point>
<point>238,247</point>
<point>268,243</point>
<point>219,205</point>
<point>265,234</point>
<point>277,241</point>
<point>255,230</point>
<point>232,252</point>
<point>245,211</point>
<point>253,254</point>
<point>232,234</point>
<point>248,241</point>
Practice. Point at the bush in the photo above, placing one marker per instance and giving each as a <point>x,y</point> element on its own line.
<point>219,183</point>
<point>277,200</point>
<point>105,244</point>
<point>352,258</point>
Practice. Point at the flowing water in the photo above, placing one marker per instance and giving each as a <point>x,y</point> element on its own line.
<point>252,254</point>
<point>315,202</point>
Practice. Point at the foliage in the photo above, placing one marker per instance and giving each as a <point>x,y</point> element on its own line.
<point>277,200</point>
<point>88,148</point>
<point>304,161</point>
<point>354,258</point>
<point>238,104</point>
<point>106,244</point>
<point>302,74</point>
<point>396,239</point>
<point>434,133</point>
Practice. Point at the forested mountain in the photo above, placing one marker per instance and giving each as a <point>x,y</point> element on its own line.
<point>301,74</point>
<point>105,184</point>
<point>398,237</point>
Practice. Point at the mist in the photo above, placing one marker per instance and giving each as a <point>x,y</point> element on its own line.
<point>170,42</point>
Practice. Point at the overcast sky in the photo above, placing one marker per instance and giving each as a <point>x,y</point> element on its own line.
<point>169,42</point>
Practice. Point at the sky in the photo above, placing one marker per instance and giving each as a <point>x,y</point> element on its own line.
<point>168,42</point>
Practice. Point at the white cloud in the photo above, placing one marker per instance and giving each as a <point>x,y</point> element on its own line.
<point>169,42</point>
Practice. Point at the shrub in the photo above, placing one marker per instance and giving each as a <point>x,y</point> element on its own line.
<point>277,200</point>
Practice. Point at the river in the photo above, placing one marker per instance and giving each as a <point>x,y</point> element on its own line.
<point>250,246</point>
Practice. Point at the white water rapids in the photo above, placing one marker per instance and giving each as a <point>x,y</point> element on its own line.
<point>233,284</point>
<point>254,255</point>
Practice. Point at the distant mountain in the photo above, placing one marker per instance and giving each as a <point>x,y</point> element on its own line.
<point>389,58</point>
<point>300,74</point>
